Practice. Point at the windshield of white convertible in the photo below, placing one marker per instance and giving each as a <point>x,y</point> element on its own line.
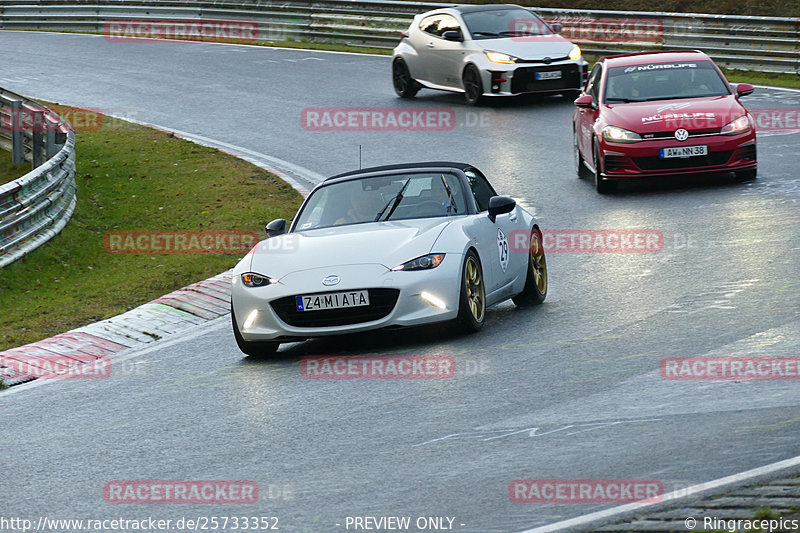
<point>395,197</point>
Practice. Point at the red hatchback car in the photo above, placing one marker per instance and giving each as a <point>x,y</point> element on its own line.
<point>661,113</point>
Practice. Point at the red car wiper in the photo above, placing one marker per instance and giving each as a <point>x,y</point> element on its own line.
<point>625,100</point>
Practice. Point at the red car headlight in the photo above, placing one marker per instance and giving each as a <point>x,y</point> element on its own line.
<point>616,134</point>
<point>738,126</point>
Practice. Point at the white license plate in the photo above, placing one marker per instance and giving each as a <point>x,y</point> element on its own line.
<point>552,75</point>
<point>684,151</point>
<point>332,300</point>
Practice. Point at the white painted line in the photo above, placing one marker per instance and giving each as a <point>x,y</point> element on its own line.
<point>262,46</point>
<point>790,89</point>
<point>674,495</point>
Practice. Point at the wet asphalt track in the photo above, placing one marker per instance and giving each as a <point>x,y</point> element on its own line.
<point>570,390</point>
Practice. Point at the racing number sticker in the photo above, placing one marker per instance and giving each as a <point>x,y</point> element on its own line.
<point>502,248</point>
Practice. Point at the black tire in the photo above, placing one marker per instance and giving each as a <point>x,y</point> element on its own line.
<point>253,348</point>
<point>535,290</point>
<point>472,298</point>
<point>473,85</point>
<point>601,186</point>
<point>747,175</point>
<point>580,168</point>
<point>404,85</point>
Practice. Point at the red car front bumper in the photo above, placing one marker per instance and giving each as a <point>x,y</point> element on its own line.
<point>725,154</point>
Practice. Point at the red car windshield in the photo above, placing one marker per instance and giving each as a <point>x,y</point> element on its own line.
<point>664,81</point>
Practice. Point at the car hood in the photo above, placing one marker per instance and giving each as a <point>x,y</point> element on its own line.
<point>386,243</point>
<point>532,47</point>
<point>710,113</point>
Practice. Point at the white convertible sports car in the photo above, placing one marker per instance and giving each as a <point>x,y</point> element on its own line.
<point>397,245</point>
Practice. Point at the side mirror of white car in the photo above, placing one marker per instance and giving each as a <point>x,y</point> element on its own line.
<point>276,227</point>
<point>452,35</point>
<point>499,205</point>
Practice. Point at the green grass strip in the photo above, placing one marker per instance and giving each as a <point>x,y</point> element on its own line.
<point>131,177</point>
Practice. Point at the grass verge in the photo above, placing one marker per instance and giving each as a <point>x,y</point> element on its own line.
<point>131,177</point>
<point>10,171</point>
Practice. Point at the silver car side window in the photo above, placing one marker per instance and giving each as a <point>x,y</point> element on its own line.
<point>436,25</point>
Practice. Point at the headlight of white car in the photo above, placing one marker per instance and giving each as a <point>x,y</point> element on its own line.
<point>499,57</point>
<point>740,125</point>
<point>616,134</point>
<point>251,279</point>
<point>426,262</point>
<point>575,53</point>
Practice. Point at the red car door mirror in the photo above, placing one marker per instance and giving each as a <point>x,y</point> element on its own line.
<point>585,101</point>
<point>743,89</point>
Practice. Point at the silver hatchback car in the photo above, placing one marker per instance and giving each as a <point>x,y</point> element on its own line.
<point>486,50</point>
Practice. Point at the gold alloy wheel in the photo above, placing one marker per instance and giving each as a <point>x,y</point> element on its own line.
<point>473,282</point>
<point>539,263</point>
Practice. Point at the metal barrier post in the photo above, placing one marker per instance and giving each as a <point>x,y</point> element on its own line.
<point>17,138</point>
<point>37,122</point>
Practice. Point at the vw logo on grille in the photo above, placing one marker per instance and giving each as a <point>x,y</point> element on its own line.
<point>547,60</point>
<point>681,134</point>
<point>333,279</point>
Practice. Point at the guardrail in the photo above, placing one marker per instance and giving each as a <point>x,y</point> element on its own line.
<point>35,207</point>
<point>768,44</point>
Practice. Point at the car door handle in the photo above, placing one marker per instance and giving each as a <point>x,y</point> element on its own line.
<point>512,217</point>
<point>430,45</point>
